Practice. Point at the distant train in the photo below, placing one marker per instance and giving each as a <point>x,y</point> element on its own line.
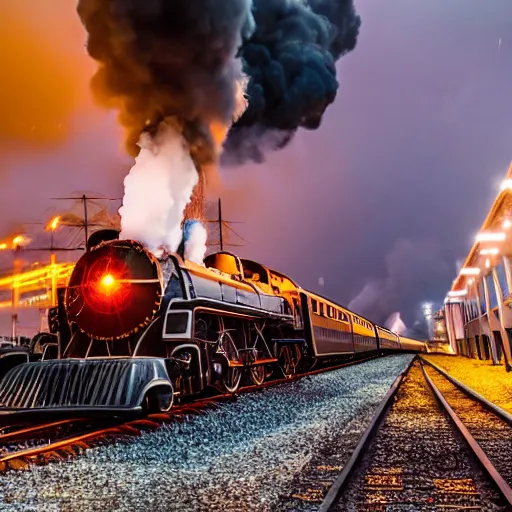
<point>135,333</point>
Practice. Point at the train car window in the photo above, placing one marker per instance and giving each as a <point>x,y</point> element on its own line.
<point>322,312</point>
<point>255,272</point>
<point>314,306</point>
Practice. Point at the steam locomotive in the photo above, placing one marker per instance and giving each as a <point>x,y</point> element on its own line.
<point>136,333</point>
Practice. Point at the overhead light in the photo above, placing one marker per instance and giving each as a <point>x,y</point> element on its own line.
<point>490,252</point>
<point>491,237</point>
<point>449,300</point>
<point>507,223</point>
<point>471,281</point>
<point>506,185</point>
<point>487,263</point>
<point>458,293</point>
<point>470,271</point>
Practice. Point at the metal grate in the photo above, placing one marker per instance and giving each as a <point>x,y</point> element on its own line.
<point>103,383</point>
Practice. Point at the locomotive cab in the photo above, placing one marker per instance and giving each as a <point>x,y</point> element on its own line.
<point>241,270</point>
<point>226,263</point>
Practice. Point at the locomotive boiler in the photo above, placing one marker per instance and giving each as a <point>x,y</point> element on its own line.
<point>137,333</point>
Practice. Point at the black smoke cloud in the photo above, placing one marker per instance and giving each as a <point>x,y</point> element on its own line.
<point>290,61</point>
<point>417,271</point>
<point>163,59</point>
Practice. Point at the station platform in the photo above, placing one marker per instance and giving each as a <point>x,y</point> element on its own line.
<point>491,381</point>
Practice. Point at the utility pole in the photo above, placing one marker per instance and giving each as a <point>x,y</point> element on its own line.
<point>84,200</point>
<point>220,226</point>
<point>221,223</point>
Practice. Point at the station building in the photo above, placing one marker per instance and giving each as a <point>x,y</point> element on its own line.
<point>478,307</point>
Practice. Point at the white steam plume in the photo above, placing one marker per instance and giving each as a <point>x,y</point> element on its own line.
<point>395,323</point>
<point>195,244</point>
<point>157,189</point>
<point>160,185</point>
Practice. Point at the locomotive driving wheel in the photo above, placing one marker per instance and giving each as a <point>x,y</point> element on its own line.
<point>232,376</point>
<point>257,373</point>
<point>260,350</point>
<point>288,359</point>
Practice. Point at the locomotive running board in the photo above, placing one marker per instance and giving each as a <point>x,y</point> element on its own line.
<point>257,362</point>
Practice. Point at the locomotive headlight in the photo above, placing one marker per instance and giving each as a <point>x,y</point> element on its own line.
<point>114,290</point>
<point>107,281</point>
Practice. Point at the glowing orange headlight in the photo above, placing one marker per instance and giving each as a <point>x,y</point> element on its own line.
<point>107,281</point>
<point>114,290</point>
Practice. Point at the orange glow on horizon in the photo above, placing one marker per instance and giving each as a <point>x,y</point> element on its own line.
<point>35,46</point>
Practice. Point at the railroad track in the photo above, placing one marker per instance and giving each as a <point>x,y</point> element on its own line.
<point>25,444</point>
<point>415,450</point>
<point>485,427</point>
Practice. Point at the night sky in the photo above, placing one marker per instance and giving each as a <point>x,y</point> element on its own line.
<point>381,201</point>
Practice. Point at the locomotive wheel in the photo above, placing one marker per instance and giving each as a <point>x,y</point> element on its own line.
<point>233,374</point>
<point>160,399</point>
<point>231,379</point>
<point>288,357</point>
<point>258,374</point>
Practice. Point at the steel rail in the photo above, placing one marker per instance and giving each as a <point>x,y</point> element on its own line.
<point>20,458</point>
<point>473,444</point>
<point>34,430</point>
<point>363,443</point>
<point>504,415</point>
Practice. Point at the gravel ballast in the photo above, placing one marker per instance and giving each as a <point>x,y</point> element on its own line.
<point>491,432</point>
<point>418,461</point>
<point>242,456</point>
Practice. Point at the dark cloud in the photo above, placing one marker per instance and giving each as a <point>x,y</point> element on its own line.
<point>290,60</point>
<point>160,59</point>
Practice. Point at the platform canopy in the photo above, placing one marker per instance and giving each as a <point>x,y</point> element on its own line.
<point>492,242</point>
